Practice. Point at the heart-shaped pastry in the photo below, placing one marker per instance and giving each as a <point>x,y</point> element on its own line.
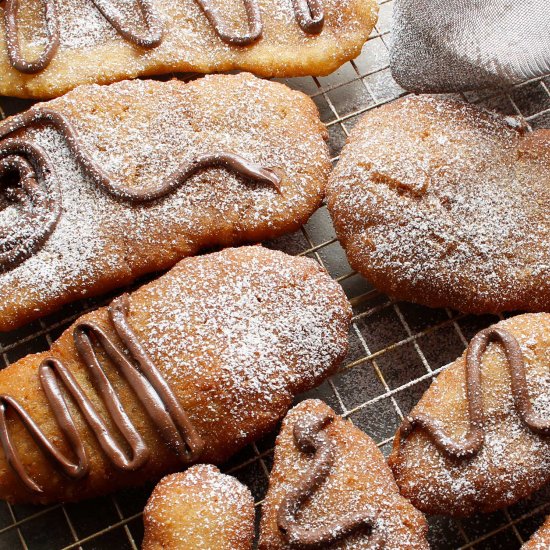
<point>441,203</point>
<point>331,488</point>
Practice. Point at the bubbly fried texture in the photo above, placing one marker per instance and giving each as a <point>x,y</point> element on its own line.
<point>541,539</point>
<point>235,334</point>
<point>140,132</point>
<point>359,480</point>
<point>92,52</point>
<point>200,509</point>
<point>513,462</point>
<point>440,203</point>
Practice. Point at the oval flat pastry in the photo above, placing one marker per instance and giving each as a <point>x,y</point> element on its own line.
<point>330,488</point>
<point>441,203</point>
<point>199,509</point>
<point>48,47</point>
<point>189,368</point>
<point>111,182</point>
<point>479,439</point>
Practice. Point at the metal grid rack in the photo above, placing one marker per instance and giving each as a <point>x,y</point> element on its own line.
<point>395,348</point>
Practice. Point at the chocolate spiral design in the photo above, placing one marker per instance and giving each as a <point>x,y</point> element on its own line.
<point>310,438</point>
<point>38,204</point>
<point>473,442</point>
<point>309,15</point>
<point>41,203</point>
<point>151,389</point>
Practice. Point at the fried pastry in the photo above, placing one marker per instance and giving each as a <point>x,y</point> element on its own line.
<point>197,510</point>
<point>331,488</point>
<point>479,439</point>
<point>50,47</point>
<point>189,368</point>
<point>541,539</point>
<point>441,203</point>
<point>111,182</point>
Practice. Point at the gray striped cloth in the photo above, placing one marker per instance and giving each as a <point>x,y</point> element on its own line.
<point>459,45</point>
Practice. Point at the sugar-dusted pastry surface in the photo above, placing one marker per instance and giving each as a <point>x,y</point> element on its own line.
<point>359,481</point>
<point>514,460</point>
<point>200,509</point>
<point>139,133</point>
<point>541,539</point>
<point>235,335</point>
<point>91,51</point>
<point>440,203</point>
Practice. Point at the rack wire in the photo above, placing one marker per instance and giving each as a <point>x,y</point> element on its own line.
<point>395,351</point>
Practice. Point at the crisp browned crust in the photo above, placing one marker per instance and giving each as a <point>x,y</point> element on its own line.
<point>91,51</point>
<point>359,480</point>
<point>513,462</point>
<point>441,203</point>
<point>236,334</point>
<point>199,509</point>
<point>541,539</point>
<point>141,132</point>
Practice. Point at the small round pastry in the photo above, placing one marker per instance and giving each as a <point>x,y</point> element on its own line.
<point>541,539</point>
<point>479,439</point>
<point>200,509</point>
<point>441,203</point>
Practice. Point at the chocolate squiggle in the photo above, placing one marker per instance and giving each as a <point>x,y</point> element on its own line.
<point>309,15</point>
<point>473,442</point>
<point>311,439</point>
<point>42,203</point>
<point>111,14</point>
<point>151,389</point>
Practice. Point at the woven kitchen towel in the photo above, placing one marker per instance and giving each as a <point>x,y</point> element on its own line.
<point>458,45</point>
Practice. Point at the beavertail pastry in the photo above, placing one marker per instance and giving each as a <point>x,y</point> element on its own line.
<point>441,203</point>
<point>479,439</point>
<point>52,46</point>
<point>331,488</point>
<point>197,510</point>
<point>541,539</point>
<point>111,182</point>
<point>189,368</point>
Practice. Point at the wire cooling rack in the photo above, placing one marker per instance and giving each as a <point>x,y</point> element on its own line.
<point>395,351</point>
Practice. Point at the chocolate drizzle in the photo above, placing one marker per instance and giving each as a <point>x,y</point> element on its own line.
<point>111,14</point>
<point>473,442</point>
<point>309,15</point>
<point>310,438</point>
<point>137,368</point>
<point>41,202</point>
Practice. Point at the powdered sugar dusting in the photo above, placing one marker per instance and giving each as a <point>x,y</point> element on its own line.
<point>514,460</point>
<point>92,51</point>
<point>198,507</point>
<point>440,203</point>
<point>278,325</point>
<point>358,480</point>
<point>149,130</point>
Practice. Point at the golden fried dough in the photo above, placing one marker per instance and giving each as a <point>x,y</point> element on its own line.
<point>541,539</point>
<point>100,41</point>
<point>200,509</point>
<point>148,173</point>
<point>223,343</point>
<point>479,439</point>
<point>331,488</point>
<point>441,203</point>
